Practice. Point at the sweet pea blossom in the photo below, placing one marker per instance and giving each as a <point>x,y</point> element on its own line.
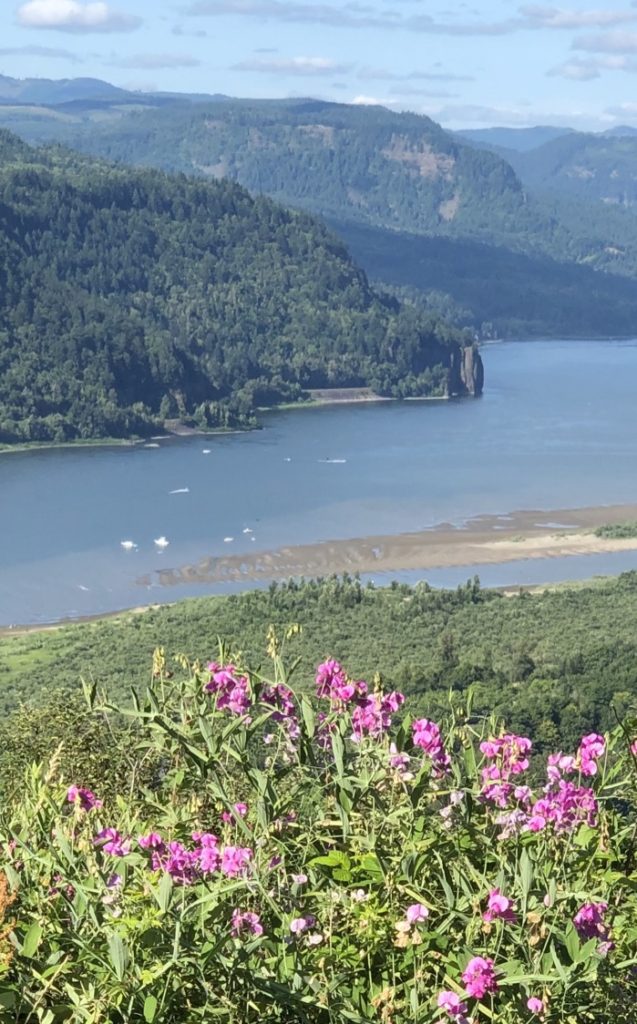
<point>244,921</point>
<point>235,860</point>
<point>112,843</point>
<point>83,798</point>
<point>298,925</point>
<point>499,907</point>
<point>452,1003</point>
<point>589,921</point>
<point>479,977</point>
<point>591,749</point>
<point>534,1004</point>
<point>426,735</point>
<point>231,689</point>
<point>373,715</point>
<point>416,913</point>
<point>633,748</point>
<point>240,811</point>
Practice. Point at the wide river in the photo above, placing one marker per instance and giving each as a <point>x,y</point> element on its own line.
<point>556,428</point>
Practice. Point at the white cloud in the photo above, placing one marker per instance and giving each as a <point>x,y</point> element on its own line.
<point>40,51</point>
<point>584,69</point>
<point>75,16</point>
<point>559,17</point>
<point>153,61</point>
<point>384,75</point>
<point>293,66</point>
<point>608,42</point>
<point>370,101</point>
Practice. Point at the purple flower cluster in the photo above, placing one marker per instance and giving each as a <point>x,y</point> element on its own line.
<point>479,977</point>
<point>281,698</point>
<point>507,758</point>
<point>83,798</point>
<point>499,908</point>
<point>206,857</point>
<point>232,690</point>
<point>244,922</point>
<point>590,924</point>
<point>111,842</point>
<point>427,736</point>
<point>371,713</point>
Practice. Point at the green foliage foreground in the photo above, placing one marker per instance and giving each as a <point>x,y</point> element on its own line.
<point>306,860</point>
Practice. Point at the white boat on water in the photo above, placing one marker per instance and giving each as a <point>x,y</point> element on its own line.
<point>228,540</point>
<point>162,542</point>
<point>180,490</point>
<point>128,545</point>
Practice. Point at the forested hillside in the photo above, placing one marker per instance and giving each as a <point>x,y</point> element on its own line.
<point>128,297</point>
<point>369,169</point>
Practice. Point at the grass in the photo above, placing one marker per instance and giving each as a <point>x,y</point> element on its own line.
<point>617,531</point>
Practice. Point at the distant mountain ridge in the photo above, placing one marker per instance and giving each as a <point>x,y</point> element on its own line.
<point>392,177</point>
<point>128,297</point>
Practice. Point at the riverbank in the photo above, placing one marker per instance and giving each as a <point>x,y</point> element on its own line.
<point>484,540</point>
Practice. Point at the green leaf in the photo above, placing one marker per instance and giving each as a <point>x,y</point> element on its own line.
<point>32,940</point>
<point>163,892</point>
<point>150,1009</point>
<point>526,873</point>
<point>118,955</point>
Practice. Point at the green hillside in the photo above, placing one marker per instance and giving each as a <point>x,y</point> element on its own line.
<point>594,168</point>
<point>127,297</point>
<point>393,174</point>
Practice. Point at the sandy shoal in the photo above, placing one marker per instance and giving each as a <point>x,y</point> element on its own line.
<point>483,540</point>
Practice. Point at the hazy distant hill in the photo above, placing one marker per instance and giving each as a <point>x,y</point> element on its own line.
<point>516,139</point>
<point>391,174</point>
<point>584,166</point>
<point>128,296</point>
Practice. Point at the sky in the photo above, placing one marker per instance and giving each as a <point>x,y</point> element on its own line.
<point>464,64</point>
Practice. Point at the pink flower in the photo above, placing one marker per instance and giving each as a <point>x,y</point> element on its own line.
<point>112,842</point>
<point>235,860</point>
<point>240,811</point>
<point>85,799</point>
<point>209,852</point>
<point>633,748</point>
<point>300,924</point>
<point>372,715</point>
<point>535,1005</point>
<point>416,913</point>
<point>499,907</point>
<point>426,735</point>
<point>452,1003</point>
<point>245,922</point>
<point>479,977</point>
<point>299,879</point>
<point>591,749</point>
<point>589,921</point>
<point>232,690</point>
<point>153,841</point>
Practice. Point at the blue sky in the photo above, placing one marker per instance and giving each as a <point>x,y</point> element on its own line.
<point>466,65</point>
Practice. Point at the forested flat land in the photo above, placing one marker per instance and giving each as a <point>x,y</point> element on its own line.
<point>130,297</point>
<point>555,664</point>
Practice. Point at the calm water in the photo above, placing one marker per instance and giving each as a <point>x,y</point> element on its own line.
<point>556,428</point>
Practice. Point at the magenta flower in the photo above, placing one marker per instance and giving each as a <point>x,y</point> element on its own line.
<point>235,860</point>
<point>589,921</point>
<point>209,852</point>
<point>416,913</point>
<point>500,908</point>
<point>633,748</point>
<point>426,735</point>
<point>299,879</point>
<point>240,811</point>
<point>373,715</point>
<point>535,1005</point>
<point>85,799</point>
<point>244,922</point>
<point>153,841</point>
<point>591,749</point>
<point>452,1003</point>
<point>479,977</point>
<point>232,690</point>
<point>112,843</point>
<point>298,925</point>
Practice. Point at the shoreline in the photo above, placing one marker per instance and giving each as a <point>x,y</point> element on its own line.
<point>527,534</point>
<point>483,540</point>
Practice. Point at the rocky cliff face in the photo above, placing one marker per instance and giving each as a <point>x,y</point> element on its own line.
<point>466,372</point>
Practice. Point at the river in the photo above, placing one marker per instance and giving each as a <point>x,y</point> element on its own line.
<point>555,428</point>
